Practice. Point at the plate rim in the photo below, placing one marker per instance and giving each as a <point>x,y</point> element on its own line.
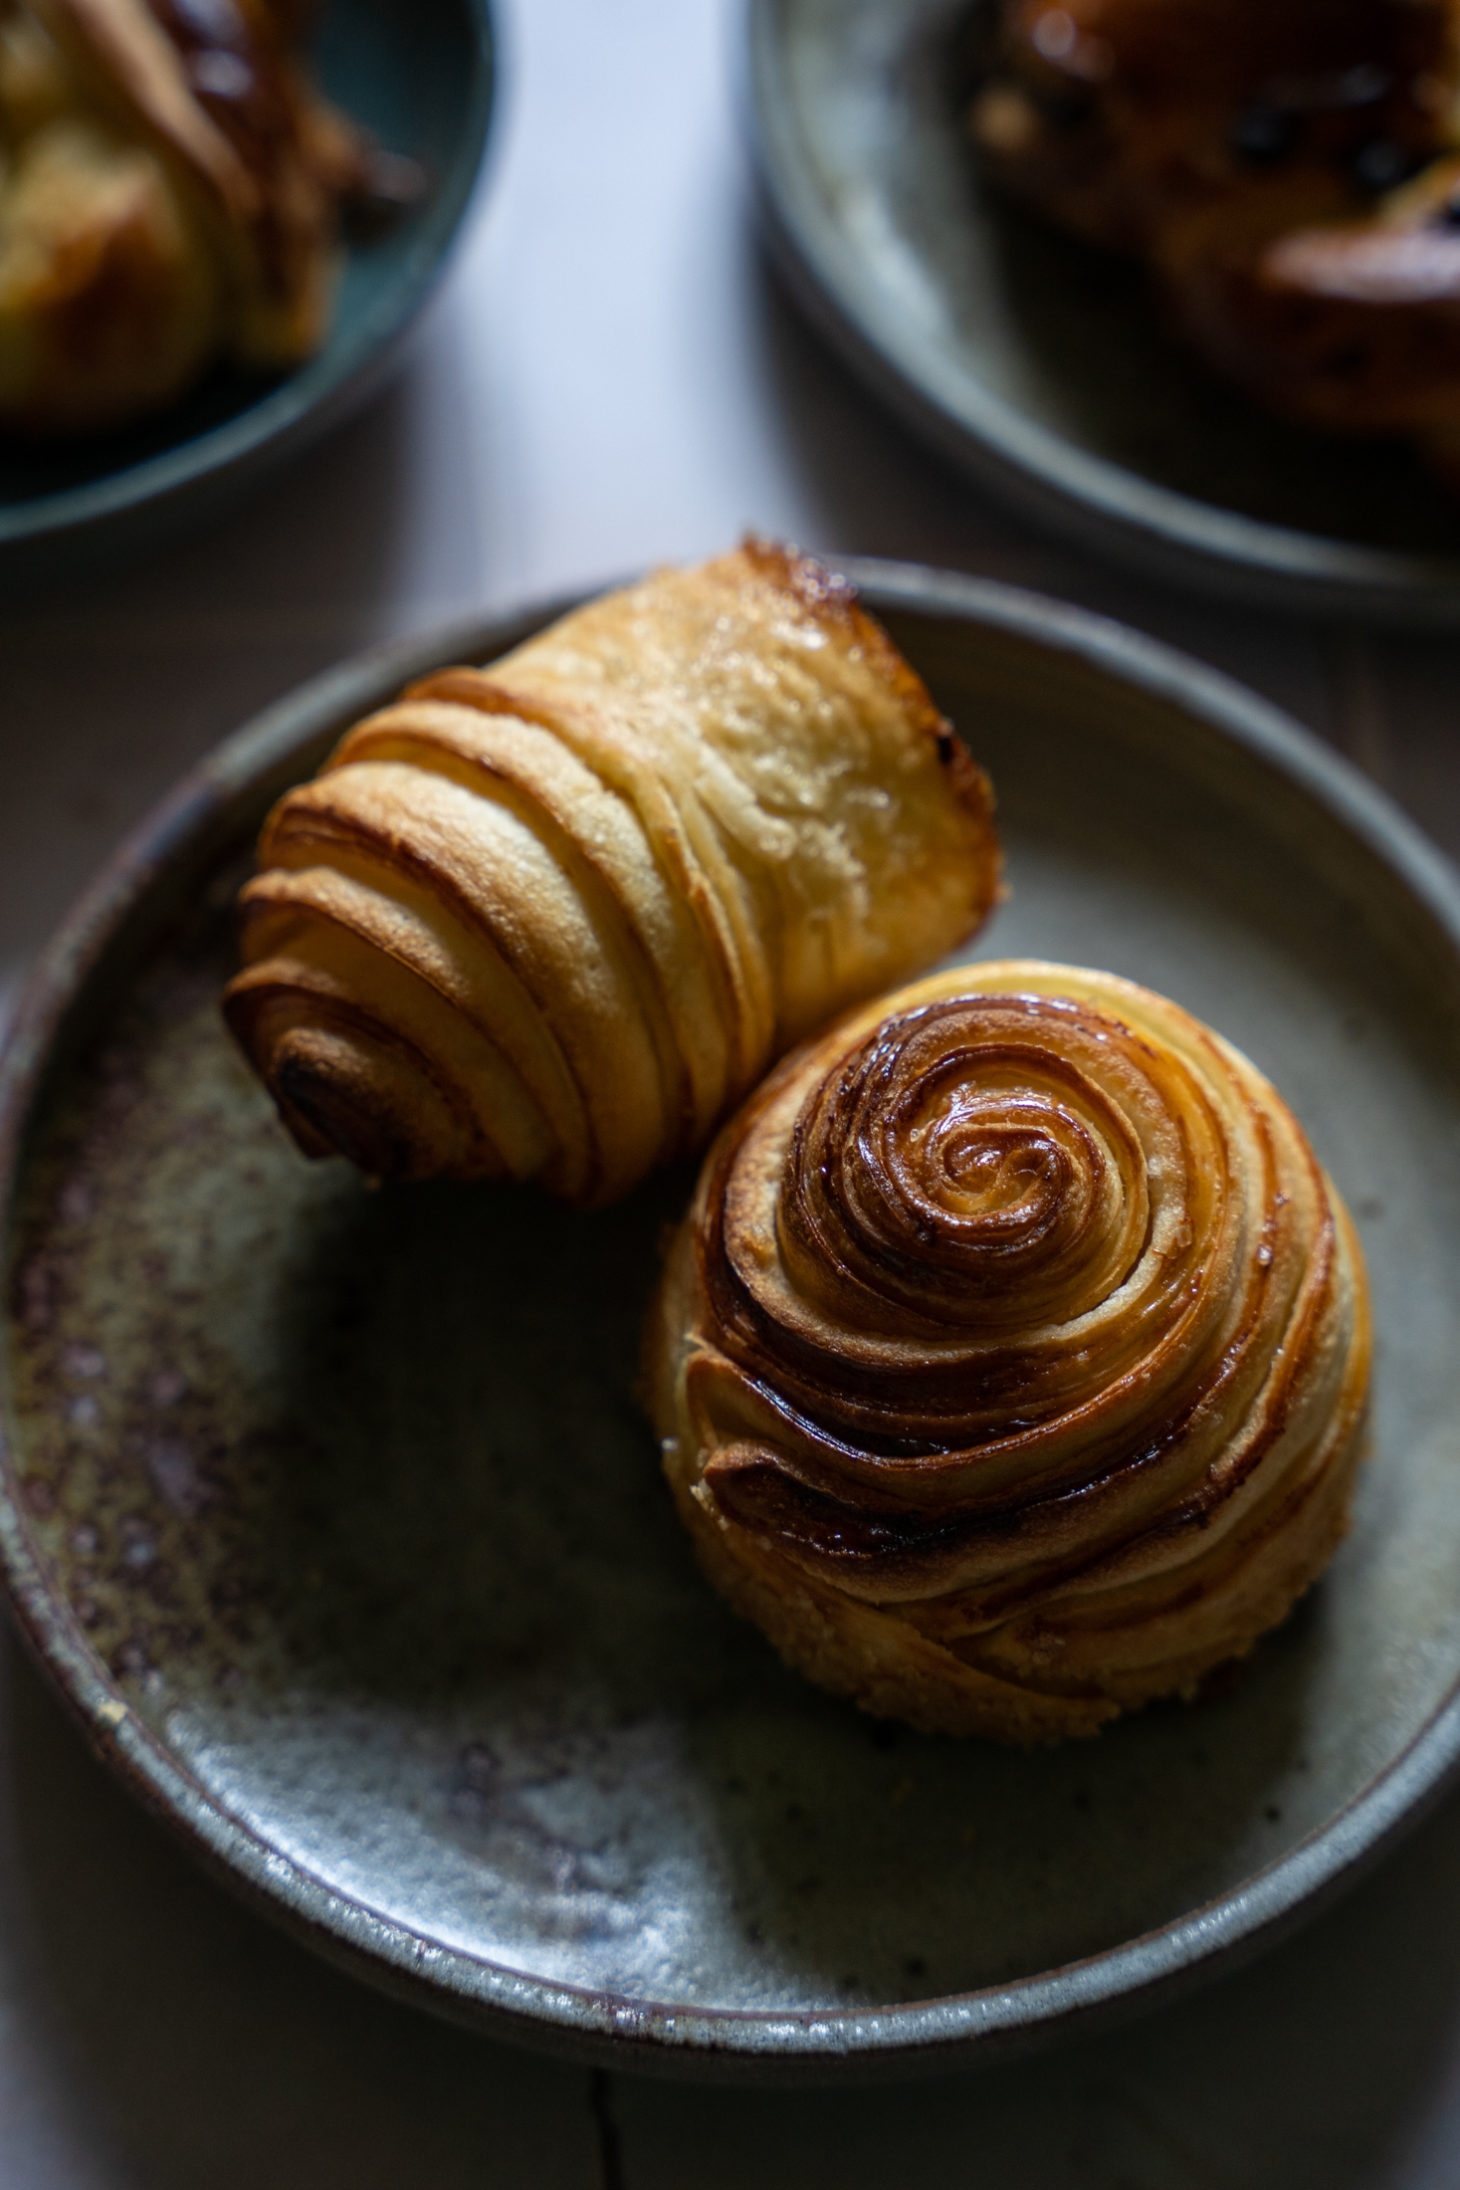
<point>665,2037</point>
<point>1091,500</point>
<point>307,401</point>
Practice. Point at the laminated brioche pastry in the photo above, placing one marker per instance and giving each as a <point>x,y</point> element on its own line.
<point>170,193</point>
<point>1010,1364</point>
<point>548,919</point>
<point>1290,173</point>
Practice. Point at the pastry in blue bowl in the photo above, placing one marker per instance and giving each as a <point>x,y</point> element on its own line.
<point>217,218</point>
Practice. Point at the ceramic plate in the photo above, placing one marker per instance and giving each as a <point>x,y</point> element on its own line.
<point>336,1517</point>
<point>1038,363</point>
<point>419,74</point>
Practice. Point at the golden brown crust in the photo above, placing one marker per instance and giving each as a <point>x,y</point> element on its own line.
<point>1011,1361</point>
<point>1289,173</point>
<point>594,888</point>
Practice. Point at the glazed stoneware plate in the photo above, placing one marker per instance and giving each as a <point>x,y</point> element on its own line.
<point>419,75</point>
<point>1038,363</point>
<point>336,1517</point>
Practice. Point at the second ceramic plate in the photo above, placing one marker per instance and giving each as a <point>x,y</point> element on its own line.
<point>1037,363</point>
<point>336,1516</point>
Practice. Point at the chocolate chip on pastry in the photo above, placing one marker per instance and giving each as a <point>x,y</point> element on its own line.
<point>170,194</point>
<point>552,917</point>
<point>1290,174</point>
<point>1011,1361</point>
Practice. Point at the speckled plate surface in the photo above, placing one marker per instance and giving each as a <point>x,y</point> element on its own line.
<point>419,74</point>
<point>335,1516</point>
<point>1037,363</point>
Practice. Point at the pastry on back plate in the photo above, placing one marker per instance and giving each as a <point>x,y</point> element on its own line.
<point>1010,1365</point>
<point>170,195</point>
<point>550,918</point>
<point>1290,173</point>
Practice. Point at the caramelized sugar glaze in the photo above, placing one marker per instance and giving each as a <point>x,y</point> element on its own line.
<point>1011,1360</point>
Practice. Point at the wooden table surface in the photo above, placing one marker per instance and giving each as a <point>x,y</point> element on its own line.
<point>607,379</point>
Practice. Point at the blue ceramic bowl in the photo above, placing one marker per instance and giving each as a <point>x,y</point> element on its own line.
<point>419,74</point>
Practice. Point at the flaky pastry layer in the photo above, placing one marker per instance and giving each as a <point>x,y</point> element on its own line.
<point>549,918</point>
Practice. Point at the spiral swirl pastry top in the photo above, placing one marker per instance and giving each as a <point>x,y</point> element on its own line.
<point>1011,1359</point>
<point>550,918</point>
